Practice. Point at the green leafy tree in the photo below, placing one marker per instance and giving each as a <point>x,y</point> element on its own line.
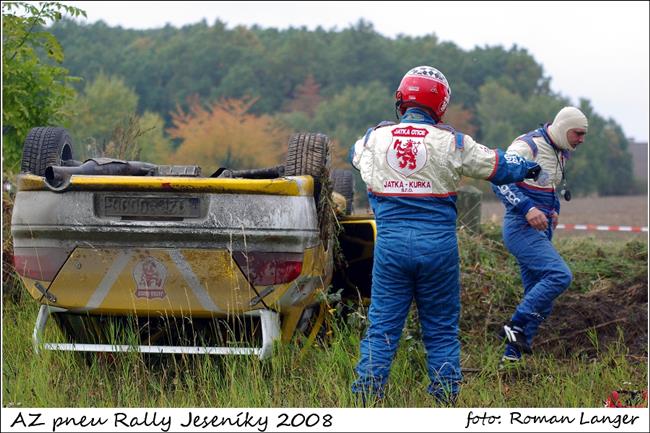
<point>106,123</point>
<point>602,163</point>
<point>105,103</point>
<point>353,53</point>
<point>504,114</point>
<point>497,92</point>
<point>154,144</point>
<point>34,90</point>
<point>347,115</point>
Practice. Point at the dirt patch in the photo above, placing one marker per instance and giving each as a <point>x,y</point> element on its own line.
<point>589,323</point>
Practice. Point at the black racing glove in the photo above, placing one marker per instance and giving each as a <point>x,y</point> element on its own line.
<point>534,169</point>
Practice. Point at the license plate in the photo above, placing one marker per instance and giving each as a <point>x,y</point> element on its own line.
<point>155,207</point>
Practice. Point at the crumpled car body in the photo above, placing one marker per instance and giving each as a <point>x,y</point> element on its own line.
<point>177,262</point>
<point>172,247</point>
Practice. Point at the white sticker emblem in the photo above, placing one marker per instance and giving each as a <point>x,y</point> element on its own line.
<point>150,276</point>
<point>407,153</point>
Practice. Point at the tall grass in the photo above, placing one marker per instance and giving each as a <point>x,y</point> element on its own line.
<point>321,375</point>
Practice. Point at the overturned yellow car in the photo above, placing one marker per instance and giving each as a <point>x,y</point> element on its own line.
<point>225,264</point>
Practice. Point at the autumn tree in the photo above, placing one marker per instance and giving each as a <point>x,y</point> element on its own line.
<point>225,134</point>
<point>306,97</point>
<point>461,119</point>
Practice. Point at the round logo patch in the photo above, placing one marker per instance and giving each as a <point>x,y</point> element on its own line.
<point>407,153</point>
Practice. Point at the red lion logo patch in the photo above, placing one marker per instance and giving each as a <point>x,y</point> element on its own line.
<point>150,275</point>
<point>407,153</point>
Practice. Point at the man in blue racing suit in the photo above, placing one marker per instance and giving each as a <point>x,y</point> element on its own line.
<point>412,170</point>
<point>532,210</point>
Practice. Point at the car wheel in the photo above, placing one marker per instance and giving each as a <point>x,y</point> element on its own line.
<point>309,154</point>
<point>343,183</point>
<point>45,146</point>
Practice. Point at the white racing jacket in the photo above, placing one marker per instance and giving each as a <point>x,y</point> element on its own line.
<point>420,160</point>
<point>521,196</point>
<point>412,169</point>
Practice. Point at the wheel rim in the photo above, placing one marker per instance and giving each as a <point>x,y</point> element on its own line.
<point>66,153</point>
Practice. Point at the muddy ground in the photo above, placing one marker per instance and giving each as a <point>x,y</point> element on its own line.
<point>589,323</point>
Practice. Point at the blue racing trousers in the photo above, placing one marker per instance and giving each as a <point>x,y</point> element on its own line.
<point>544,273</point>
<point>413,264</point>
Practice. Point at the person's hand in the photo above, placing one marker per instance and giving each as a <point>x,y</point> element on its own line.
<point>537,219</point>
<point>555,218</point>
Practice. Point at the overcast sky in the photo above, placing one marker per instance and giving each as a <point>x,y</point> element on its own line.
<point>593,50</point>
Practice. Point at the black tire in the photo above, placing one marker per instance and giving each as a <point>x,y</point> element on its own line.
<point>308,154</point>
<point>45,146</point>
<point>343,183</point>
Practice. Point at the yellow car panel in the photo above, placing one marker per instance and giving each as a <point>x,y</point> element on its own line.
<point>290,186</point>
<point>166,281</point>
<point>152,281</point>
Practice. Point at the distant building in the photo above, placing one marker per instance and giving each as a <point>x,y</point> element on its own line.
<point>639,151</point>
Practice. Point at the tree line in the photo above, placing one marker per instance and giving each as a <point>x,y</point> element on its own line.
<point>219,96</point>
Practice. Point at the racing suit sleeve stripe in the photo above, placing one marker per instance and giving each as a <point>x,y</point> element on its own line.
<point>367,136</point>
<point>496,165</point>
<point>533,187</point>
<point>390,194</point>
<point>510,168</point>
<point>482,162</point>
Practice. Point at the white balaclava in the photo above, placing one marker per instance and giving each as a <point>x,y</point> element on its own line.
<point>566,119</point>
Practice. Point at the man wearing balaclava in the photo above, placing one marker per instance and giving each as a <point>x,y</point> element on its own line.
<point>532,210</point>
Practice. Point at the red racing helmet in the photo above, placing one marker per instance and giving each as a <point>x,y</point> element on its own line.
<point>424,87</point>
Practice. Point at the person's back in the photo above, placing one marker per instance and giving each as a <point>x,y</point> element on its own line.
<point>412,171</point>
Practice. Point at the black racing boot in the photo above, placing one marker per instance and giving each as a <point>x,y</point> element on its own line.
<point>515,336</point>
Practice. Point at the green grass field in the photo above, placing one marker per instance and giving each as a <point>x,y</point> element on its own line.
<point>321,376</point>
